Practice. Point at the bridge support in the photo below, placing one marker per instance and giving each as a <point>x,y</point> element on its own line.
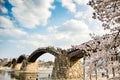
<point>65,68</point>
<point>32,67</point>
<point>62,64</point>
<point>75,70</point>
<point>18,66</point>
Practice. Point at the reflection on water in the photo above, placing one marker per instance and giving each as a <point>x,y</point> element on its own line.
<point>5,75</point>
<point>17,75</point>
<point>24,76</point>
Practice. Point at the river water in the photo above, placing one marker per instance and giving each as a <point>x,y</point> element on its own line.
<point>6,74</point>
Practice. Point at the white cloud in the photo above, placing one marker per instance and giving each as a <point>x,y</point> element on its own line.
<point>71,32</point>
<point>3,10</point>
<point>98,30</point>
<point>31,13</point>
<point>80,2</point>
<point>87,14</point>
<point>30,42</point>
<point>79,14</point>
<point>2,1</point>
<point>14,32</point>
<point>38,37</point>
<point>87,17</point>
<point>9,28</point>
<point>74,26</point>
<point>5,22</point>
<point>52,28</point>
<point>69,4</point>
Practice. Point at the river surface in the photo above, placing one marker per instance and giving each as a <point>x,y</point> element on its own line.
<point>7,74</point>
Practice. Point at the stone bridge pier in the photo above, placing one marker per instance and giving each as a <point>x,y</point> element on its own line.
<point>32,67</point>
<point>61,65</point>
<point>19,62</point>
<point>66,69</point>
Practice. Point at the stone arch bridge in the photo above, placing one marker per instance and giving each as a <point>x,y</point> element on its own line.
<point>67,63</point>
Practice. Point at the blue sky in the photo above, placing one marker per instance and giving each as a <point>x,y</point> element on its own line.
<point>26,25</point>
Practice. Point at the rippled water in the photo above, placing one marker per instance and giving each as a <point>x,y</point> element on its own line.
<point>15,75</point>
<point>4,75</point>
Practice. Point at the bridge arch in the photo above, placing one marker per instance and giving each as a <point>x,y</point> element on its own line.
<point>40,51</point>
<point>21,58</point>
<point>1,60</point>
<point>8,64</point>
<point>13,62</point>
<point>76,54</point>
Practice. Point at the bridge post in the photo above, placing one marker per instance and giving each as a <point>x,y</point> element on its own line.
<point>14,62</point>
<point>75,70</point>
<point>62,64</point>
<point>65,68</point>
<point>18,66</point>
<point>24,65</point>
<point>31,67</point>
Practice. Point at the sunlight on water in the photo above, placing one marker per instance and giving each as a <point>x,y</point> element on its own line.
<point>15,75</point>
<point>5,76</point>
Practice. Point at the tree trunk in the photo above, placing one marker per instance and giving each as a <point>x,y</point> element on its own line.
<point>95,72</point>
<point>113,72</point>
<point>107,74</point>
<point>113,69</point>
<point>84,67</point>
<point>90,77</point>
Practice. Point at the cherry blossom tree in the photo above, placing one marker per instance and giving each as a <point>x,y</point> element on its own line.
<point>101,50</point>
<point>108,12</point>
